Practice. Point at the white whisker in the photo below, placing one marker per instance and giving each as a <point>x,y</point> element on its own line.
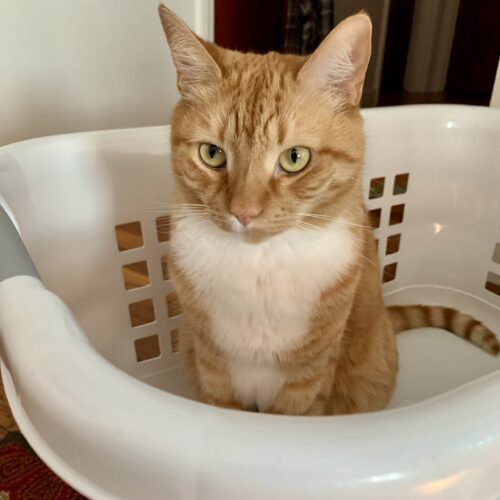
<point>331,219</point>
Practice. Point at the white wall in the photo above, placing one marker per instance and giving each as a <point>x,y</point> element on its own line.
<point>73,65</point>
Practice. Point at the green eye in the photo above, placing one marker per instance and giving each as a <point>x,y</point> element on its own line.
<point>212,155</point>
<point>294,159</point>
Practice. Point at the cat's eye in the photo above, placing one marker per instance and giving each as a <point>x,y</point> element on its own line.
<point>212,155</point>
<point>294,159</point>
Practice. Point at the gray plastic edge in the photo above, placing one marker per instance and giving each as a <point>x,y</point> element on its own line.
<point>14,258</point>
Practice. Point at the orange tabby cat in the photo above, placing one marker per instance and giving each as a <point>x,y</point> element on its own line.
<point>271,254</point>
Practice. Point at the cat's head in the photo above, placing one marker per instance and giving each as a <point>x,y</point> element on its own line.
<point>261,141</point>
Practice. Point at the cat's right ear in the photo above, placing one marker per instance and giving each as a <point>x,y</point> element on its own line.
<point>339,64</point>
<point>196,69</point>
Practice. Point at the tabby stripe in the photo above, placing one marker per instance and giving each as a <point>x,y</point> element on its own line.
<point>427,313</point>
<point>324,398</point>
<point>337,154</point>
<point>313,348</point>
<point>177,140</point>
<point>305,383</point>
<point>236,123</point>
<point>208,366</point>
<point>415,317</point>
<point>449,315</point>
<point>316,341</point>
<point>470,327</point>
<point>492,343</point>
<point>201,335</point>
<point>400,323</point>
<point>437,316</point>
<point>281,132</point>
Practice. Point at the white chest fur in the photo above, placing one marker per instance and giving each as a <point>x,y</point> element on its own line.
<point>260,296</point>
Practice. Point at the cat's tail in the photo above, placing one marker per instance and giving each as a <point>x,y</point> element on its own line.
<point>462,325</point>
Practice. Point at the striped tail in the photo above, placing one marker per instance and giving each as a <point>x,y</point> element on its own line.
<point>462,325</point>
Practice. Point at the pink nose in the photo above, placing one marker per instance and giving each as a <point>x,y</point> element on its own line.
<point>246,214</point>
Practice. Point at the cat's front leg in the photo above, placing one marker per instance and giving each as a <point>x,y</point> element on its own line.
<point>300,399</point>
<point>213,379</point>
<point>308,394</point>
<point>308,385</point>
<point>311,369</point>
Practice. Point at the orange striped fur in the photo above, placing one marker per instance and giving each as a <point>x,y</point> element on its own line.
<point>286,316</point>
<point>462,325</point>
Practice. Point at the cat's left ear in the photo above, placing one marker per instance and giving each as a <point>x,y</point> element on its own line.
<point>196,69</point>
<point>339,63</point>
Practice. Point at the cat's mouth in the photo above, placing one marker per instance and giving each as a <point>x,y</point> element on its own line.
<point>254,232</point>
<point>237,227</point>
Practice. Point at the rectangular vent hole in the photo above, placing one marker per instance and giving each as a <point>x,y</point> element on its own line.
<point>401,184</point>
<point>163,228</point>
<point>493,283</point>
<point>164,267</point>
<point>173,305</point>
<point>141,313</point>
<point>174,340</point>
<point>393,243</point>
<point>397,214</point>
<point>389,272</point>
<point>147,348</point>
<point>129,236</point>
<point>376,188</point>
<point>496,254</point>
<point>375,216</point>
<point>136,275</point>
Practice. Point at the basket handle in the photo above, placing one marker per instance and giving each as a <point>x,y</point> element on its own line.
<point>14,258</point>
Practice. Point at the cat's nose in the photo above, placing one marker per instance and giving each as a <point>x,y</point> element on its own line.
<point>245,214</point>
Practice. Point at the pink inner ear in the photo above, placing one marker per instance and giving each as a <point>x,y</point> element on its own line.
<point>341,60</point>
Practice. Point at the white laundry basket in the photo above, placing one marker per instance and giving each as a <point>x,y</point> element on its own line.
<point>433,186</point>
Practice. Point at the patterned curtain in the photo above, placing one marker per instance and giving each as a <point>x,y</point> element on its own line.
<point>307,23</point>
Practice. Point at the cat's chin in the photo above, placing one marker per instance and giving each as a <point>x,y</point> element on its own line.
<point>252,234</point>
